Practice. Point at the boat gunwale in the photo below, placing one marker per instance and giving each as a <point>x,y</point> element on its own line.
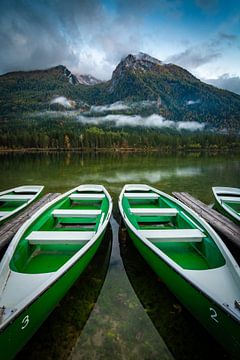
<point>19,208</point>
<point>56,275</point>
<point>172,264</point>
<point>222,204</point>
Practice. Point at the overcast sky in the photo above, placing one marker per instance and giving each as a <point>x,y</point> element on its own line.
<point>91,36</point>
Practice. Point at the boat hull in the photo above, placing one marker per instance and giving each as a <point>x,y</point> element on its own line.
<point>221,210</point>
<point>16,335</point>
<point>222,326</point>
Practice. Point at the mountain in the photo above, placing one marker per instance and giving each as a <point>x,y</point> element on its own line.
<point>87,79</point>
<point>176,93</point>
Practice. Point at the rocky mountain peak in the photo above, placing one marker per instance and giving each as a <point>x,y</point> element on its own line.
<point>140,62</point>
<point>71,77</point>
<point>88,79</point>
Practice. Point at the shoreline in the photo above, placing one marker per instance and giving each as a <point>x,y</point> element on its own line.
<point>162,150</point>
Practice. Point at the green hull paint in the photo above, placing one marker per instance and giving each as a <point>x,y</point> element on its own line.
<point>200,270</point>
<point>45,269</point>
<point>220,209</point>
<point>15,207</point>
<point>13,338</point>
<point>226,330</point>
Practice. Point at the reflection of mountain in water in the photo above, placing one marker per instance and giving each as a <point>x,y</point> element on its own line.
<point>151,176</point>
<point>184,336</point>
<point>58,334</point>
<point>118,327</point>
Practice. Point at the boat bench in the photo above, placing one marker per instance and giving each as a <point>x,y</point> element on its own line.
<point>154,212</point>
<point>234,199</point>
<point>147,196</point>
<point>77,197</point>
<point>15,197</point>
<point>26,190</point>
<point>4,213</point>
<point>62,213</point>
<point>59,237</point>
<point>175,235</point>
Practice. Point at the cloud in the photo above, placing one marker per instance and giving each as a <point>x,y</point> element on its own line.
<point>190,125</point>
<point>226,81</point>
<point>123,105</point>
<point>194,57</point>
<point>207,5</point>
<point>117,106</point>
<point>68,104</point>
<point>227,36</point>
<point>154,120</point>
<point>78,34</point>
<point>120,120</point>
<point>192,102</point>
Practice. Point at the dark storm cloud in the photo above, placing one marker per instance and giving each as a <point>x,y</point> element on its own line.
<point>78,34</point>
<point>43,33</point>
<point>228,82</point>
<point>207,5</point>
<point>229,37</point>
<point>194,57</point>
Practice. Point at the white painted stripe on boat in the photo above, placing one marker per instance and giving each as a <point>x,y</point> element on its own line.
<point>75,213</point>
<point>234,199</point>
<point>62,237</point>
<point>141,195</point>
<point>154,211</point>
<point>87,196</point>
<point>184,235</point>
<point>15,197</point>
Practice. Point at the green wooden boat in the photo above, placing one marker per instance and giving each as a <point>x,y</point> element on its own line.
<point>188,256</point>
<point>45,258</point>
<point>227,201</point>
<point>16,199</point>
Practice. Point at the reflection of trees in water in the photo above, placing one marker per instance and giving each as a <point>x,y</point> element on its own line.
<point>183,335</point>
<point>56,337</point>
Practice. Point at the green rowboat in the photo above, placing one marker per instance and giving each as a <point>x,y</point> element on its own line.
<point>227,201</point>
<point>188,256</point>
<point>45,258</point>
<point>14,200</point>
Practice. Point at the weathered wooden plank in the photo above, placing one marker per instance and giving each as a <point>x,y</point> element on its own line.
<point>8,229</point>
<point>219,222</point>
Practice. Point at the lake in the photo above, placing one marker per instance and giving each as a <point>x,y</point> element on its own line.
<point>119,308</point>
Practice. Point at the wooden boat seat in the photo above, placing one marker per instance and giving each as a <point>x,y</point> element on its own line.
<point>154,212</point>
<point>87,188</point>
<point>62,213</point>
<point>26,190</point>
<point>59,237</point>
<point>234,199</point>
<point>15,197</point>
<point>4,213</point>
<point>137,187</point>
<point>177,235</point>
<point>147,196</point>
<point>76,197</point>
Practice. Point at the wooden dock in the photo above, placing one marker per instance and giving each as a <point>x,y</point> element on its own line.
<point>8,229</point>
<point>220,223</point>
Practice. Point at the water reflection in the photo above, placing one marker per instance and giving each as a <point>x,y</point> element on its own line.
<point>184,336</point>
<point>58,334</point>
<point>62,171</point>
<point>118,327</point>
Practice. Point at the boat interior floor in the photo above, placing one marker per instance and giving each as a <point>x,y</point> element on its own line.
<point>45,248</point>
<point>201,254</point>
